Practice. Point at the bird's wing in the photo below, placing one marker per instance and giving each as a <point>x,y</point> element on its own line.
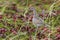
<point>41,20</point>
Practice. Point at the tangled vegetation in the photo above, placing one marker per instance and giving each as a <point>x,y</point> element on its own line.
<point>16,19</point>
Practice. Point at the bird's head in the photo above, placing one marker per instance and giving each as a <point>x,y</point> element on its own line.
<point>34,11</point>
<point>32,8</point>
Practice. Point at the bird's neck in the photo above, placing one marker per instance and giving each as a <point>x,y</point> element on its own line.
<point>34,13</point>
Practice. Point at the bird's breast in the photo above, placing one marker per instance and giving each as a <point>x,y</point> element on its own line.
<point>37,22</point>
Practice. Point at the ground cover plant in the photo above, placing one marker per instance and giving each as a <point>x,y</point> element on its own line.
<point>16,20</point>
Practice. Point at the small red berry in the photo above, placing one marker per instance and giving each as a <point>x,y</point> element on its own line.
<point>45,29</point>
<point>58,29</point>
<point>0,16</point>
<point>57,36</point>
<point>14,17</point>
<point>14,31</point>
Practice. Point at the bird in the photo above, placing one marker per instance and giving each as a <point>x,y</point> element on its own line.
<point>36,20</point>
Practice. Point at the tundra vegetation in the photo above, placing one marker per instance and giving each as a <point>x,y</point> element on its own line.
<point>16,19</point>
